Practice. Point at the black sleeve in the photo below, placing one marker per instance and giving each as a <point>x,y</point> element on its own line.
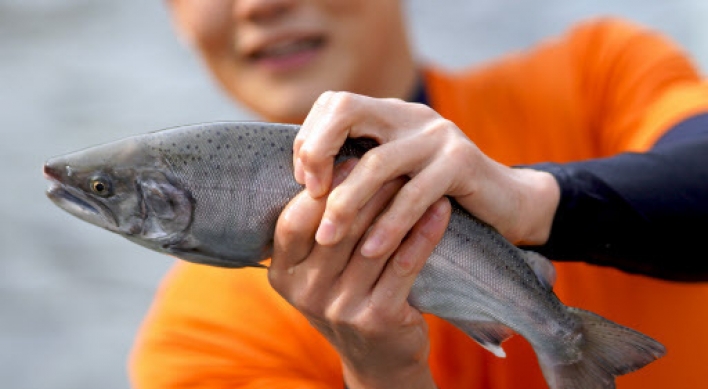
<point>643,213</point>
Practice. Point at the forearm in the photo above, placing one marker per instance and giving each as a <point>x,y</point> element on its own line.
<point>639,212</point>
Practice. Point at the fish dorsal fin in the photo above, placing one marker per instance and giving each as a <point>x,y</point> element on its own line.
<point>544,269</point>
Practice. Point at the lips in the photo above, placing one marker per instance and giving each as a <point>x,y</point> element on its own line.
<point>287,47</point>
<point>285,53</point>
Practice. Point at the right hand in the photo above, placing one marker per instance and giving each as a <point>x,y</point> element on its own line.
<point>360,303</point>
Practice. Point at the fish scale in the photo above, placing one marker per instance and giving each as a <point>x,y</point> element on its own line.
<point>211,194</point>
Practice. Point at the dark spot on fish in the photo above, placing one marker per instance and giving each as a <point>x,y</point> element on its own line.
<point>218,167</point>
<point>228,146</point>
<point>282,149</point>
<point>263,138</point>
<point>256,153</point>
<point>209,140</point>
<point>174,144</point>
<point>218,147</point>
<point>239,156</point>
<point>185,162</point>
<point>188,147</point>
<point>272,145</point>
<point>196,147</point>
<point>240,137</point>
<point>199,135</point>
<point>249,147</point>
<point>194,159</point>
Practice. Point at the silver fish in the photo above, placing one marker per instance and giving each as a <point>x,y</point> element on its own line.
<point>212,193</point>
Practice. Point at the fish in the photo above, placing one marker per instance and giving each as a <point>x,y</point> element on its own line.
<point>211,193</point>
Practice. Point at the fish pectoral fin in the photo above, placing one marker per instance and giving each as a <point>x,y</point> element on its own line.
<point>542,266</point>
<point>489,334</point>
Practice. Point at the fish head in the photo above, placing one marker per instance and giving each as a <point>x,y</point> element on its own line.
<point>123,188</point>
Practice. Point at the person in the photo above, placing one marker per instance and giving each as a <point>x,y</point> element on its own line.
<point>589,148</point>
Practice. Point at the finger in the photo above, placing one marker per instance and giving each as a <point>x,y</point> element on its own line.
<point>376,167</point>
<point>338,257</point>
<point>394,286</point>
<point>407,208</point>
<point>296,226</point>
<point>318,108</point>
<point>295,230</point>
<point>335,117</point>
<point>322,135</point>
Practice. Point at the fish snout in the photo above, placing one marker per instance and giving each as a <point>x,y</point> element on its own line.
<point>55,171</point>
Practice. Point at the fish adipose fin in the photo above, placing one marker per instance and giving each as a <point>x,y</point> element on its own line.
<point>488,334</point>
<point>609,350</point>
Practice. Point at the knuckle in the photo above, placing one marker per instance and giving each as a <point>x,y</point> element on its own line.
<point>411,193</point>
<point>287,231</point>
<point>438,126</point>
<point>424,112</point>
<point>275,279</point>
<point>339,208</point>
<point>307,302</point>
<point>368,325</point>
<point>341,100</point>
<point>308,153</point>
<point>374,161</point>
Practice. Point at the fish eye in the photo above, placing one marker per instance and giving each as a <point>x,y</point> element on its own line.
<point>101,186</point>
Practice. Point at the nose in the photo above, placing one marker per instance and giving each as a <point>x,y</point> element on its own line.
<point>262,11</point>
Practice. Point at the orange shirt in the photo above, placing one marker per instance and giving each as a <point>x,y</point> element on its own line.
<point>605,87</point>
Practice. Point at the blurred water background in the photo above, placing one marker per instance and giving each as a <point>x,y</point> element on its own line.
<point>79,72</point>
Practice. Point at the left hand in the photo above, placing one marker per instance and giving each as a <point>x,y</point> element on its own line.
<point>359,304</point>
<point>417,142</point>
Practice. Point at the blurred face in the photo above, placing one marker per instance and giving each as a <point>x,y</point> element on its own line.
<point>277,56</point>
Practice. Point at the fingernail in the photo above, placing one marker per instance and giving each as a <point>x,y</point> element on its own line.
<point>372,245</point>
<point>326,233</point>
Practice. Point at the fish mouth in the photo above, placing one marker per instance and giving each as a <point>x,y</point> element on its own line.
<point>77,203</point>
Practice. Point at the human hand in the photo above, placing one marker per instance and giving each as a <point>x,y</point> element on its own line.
<point>359,304</point>
<point>439,159</point>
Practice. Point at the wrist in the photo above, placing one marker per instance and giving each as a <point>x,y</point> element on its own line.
<point>537,206</point>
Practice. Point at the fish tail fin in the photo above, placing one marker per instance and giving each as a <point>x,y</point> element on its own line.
<point>608,350</point>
